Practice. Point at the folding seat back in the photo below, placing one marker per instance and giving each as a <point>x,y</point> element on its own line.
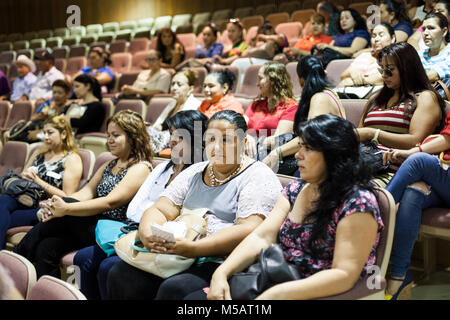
<point>146,22</point>
<point>6,46</point>
<point>71,40</point>
<point>61,32</point>
<point>354,109</point>
<point>291,30</point>
<point>21,44</point>
<point>200,18</point>
<point>138,59</point>
<point>88,160</point>
<point>7,56</point>
<point>101,159</point>
<point>30,35</point>
<point>143,32</point>
<point>38,43</point>
<point>181,20</point>
<point>249,86</point>
<point>75,64</point>
<point>161,22</point>
<point>137,105</point>
<point>107,37</point>
<point>361,7</point>
<point>5,109</point>
<point>291,68</point>
<point>21,110</point>
<point>302,16</point>
<point>14,37</point>
<point>51,288</point>
<point>21,271</point>
<point>335,68</point>
<point>26,52</point>
<point>243,12</point>
<point>252,21</point>
<point>89,38</point>
<point>265,9</point>
<point>44,34</point>
<point>278,17</point>
<point>126,35</point>
<point>290,6</point>
<point>118,46</point>
<point>61,52</point>
<point>13,156</point>
<point>94,29</point>
<point>78,50</point>
<point>61,65</point>
<point>121,62</point>
<point>111,27</point>
<point>128,25</point>
<point>138,44</point>
<point>78,31</point>
<point>54,42</point>
<point>156,106</point>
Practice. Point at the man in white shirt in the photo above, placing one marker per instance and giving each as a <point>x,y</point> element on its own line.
<point>42,89</point>
<point>26,79</point>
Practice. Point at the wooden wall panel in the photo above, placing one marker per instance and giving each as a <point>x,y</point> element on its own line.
<point>30,15</point>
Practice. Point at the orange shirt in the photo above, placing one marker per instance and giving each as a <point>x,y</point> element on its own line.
<point>227,102</point>
<point>306,43</point>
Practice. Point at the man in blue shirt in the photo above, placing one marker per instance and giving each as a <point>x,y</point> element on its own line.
<point>26,79</point>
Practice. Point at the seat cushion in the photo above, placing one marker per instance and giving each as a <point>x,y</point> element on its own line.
<point>437,217</point>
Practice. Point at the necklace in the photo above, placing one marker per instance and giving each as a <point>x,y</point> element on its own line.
<point>215,181</point>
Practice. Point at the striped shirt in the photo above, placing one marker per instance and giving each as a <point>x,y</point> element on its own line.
<point>439,63</point>
<point>390,120</point>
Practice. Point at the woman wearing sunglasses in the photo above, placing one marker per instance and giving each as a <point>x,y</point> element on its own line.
<point>406,110</point>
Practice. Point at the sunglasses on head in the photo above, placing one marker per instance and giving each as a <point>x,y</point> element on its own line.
<point>387,71</point>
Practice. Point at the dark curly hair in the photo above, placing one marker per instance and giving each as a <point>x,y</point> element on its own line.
<point>360,22</point>
<point>336,139</point>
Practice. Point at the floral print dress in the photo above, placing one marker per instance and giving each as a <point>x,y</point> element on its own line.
<point>294,237</point>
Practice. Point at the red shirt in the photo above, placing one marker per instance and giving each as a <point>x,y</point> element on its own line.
<point>261,118</point>
<point>446,129</point>
<point>306,43</point>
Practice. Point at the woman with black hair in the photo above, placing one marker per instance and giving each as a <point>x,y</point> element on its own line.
<point>93,261</point>
<point>317,98</point>
<point>216,88</point>
<point>352,34</point>
<point>394,14</point>
<point>98,61</point>
<point>172,50</point>
<point>327,223</point>
<point>238,192</point>
<point>406,110</point>
<point>88,115</point>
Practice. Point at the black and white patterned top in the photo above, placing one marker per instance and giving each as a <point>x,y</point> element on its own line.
<point>107,184</point>
<point>50,172</point>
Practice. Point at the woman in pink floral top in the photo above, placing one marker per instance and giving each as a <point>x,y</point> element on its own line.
<point>328,223</point>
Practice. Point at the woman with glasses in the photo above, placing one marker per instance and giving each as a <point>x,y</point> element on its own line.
<point>149,82</point>
<point>406,110</point>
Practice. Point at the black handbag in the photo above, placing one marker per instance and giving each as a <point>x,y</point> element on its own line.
<point>442,88</point>
<point>271,269</point>
<point>327,55</point>
<point>26,192</point>
<point>373,157</point>
<point>19,131</point>
<point>289,165</point>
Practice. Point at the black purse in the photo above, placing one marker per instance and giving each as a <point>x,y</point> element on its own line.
<point>289,165</point>
<point>327,55</point>
<point>373,157</point>
<point>26,192</point>
<point>271,269</point>
<point>19,131</point>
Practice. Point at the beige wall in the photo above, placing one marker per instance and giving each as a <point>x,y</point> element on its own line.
<point>31,15</point>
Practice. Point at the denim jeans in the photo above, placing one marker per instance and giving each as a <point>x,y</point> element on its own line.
<point>13,214</point>
<point>418,167</point>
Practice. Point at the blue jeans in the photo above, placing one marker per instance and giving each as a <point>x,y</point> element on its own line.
<point>94,267</point>
<point>418,167</point>
<point>13,214</point>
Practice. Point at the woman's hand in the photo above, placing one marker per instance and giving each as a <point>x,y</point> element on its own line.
<point>29,174</point>
<point>366,134</point>
<point>268,142</point>
<point>58,208</point>
<point>322,46</point>
<point>181,247</point>
<point>357,77</point>
<point>250,146</point>
<point>396,155</point>
<point>219,288</point>
<point>272,159</point>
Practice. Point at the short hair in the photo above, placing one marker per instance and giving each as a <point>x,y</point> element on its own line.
<point>213,28</point>
<point>318,18</point>
<point>62,84</point>
<point>104,53</point>
<point>191,75</point>
<point>442,22</point>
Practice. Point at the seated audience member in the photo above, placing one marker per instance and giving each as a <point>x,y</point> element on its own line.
<point>5,86</point>
<point>93,262</point>
<point>149,82</point>
<point>216,88</point>
<point>182,88</point>
<point>70,225</point>
<point>418,9</point>
<point>98,62</point>
<point>331,14</point>
<point>235,32</point>
<point>406,110</point>
<point>56,167</point>
<point>303,46</point>
<point>421,182</point>
<point>171,49</point>
<point>210,46</point>
<point>25,78</point>
<point>61,92</point>
<point>416,40</point>
<point>394,13</point>
<point>42,88</point>
<point>327,223</point>
<point>364,69</point>
<point>88,115</point>
<point>272,113</point>
<point>352,34</point>
<point>265,46</point>
<point>436,36</point>
<point>225,184</point>
<point>317,98</point>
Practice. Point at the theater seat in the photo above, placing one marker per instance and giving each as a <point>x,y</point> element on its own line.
<point>302,16</point>
<point>75,64</point>
<point>335,68</point>
<point>354,109</point>
<point>291,68</point>
<point>13,156</point>
<point>278,17</point>
<point>138,44</point>
<point>121,62</point>
<point>249,88</point>
<point>21,271</point>
<point>21,110</point>
<point>51,288</point>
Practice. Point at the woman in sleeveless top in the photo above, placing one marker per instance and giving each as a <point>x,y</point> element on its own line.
<point>69,223</point>
<point>317,98</point>
<point>56,167</point>
<point>239,194</point>
<point>407,109</point>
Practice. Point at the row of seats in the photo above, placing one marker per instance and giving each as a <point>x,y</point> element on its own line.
<point>182,23</point>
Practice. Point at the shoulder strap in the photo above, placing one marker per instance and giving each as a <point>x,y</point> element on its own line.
<point>335,100</point>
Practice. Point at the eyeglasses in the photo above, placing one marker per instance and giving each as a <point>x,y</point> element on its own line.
<point>387,71</point>
<point>151,59</point>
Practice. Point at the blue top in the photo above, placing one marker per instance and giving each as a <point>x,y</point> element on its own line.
<point>332,30</point>
<point>110,85</point>
<point>23,86</point>
<point>214,50</point>
<point>346,39</point>
<point>405,27</point>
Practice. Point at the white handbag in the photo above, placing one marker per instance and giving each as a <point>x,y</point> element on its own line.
<point>130,249</point>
